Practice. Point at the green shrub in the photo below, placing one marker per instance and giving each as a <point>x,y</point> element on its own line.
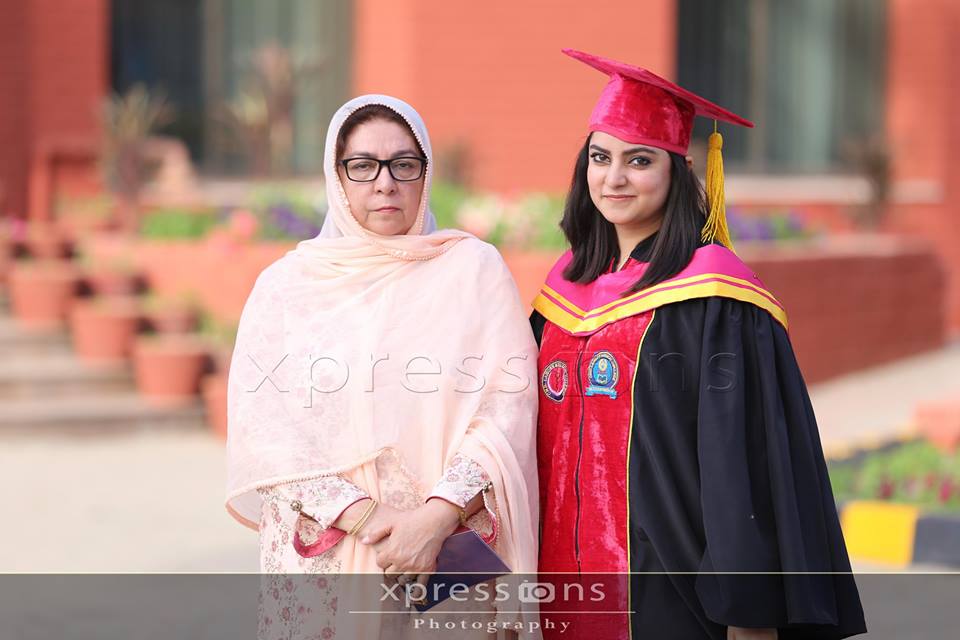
<point>178,223</point>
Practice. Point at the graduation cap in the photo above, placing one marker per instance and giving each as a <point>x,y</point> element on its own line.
<point>640,107</point>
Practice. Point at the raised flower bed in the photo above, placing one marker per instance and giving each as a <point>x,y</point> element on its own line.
<point>900,504</point>
<point>915,473</point>
<point>844,295</point>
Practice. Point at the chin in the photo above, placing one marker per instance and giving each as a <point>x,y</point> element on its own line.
<point>390,227</point>
<point>622,217</point>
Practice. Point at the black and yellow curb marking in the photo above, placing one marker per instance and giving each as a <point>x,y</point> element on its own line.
<point>899,534</point>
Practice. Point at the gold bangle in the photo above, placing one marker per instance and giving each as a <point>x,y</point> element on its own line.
<point>363,519</point>
<point>462,514</point>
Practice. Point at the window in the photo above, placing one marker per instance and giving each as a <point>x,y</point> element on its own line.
<point>810,75</point>
<point>210,56</point>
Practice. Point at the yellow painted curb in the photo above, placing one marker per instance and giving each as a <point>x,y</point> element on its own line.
<point>879,531</point>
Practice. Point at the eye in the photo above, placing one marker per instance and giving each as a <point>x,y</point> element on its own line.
<point>404,164</point>
<point>599,158</point>
<point>640,161</point>
<point>361,165</point>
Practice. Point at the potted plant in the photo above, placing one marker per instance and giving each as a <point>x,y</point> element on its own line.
<point>128,121</point>
<point>221,337</point>
<point>103,329</point>
<point>172,314</point>
<point>83,215</point>
<point>116,275</point>
<point>168,367</point>
<point>41,292</point>
<point>46,240</point>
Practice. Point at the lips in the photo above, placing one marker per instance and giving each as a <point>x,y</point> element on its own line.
<point>618,197</point>
<point>387,209</point>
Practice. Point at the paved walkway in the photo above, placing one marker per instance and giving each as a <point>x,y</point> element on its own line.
<point>142,501</point>
<point>877,405</point>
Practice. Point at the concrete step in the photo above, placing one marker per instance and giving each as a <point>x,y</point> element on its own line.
<point>95,414</point>
<point>53,376</point>
<point>16,341</point>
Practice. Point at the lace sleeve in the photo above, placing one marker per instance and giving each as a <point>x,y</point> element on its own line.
<point>321,499</point>
<point>463,479</point>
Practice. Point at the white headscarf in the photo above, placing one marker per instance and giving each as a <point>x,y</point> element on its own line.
<point>331,226</point>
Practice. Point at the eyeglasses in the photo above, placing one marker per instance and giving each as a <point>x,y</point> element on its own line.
<point>404,169</point>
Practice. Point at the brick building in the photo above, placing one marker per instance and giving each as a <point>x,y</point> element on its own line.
<point>497,94</point>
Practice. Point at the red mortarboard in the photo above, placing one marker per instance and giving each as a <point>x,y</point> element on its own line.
<point>640,107</point>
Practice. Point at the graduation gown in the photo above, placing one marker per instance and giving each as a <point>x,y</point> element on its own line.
<point>677,437</point>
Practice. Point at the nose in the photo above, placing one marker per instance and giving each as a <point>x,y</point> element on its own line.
<point>616,175</point>
<point>385,182</point>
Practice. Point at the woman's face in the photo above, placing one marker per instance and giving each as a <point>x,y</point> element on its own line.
<point>384,206</point>
<point>628,182</point>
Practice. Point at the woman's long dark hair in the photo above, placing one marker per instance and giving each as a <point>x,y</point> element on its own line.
<point>593,239</point>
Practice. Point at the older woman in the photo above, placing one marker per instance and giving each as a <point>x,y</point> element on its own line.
<point>380,391</point>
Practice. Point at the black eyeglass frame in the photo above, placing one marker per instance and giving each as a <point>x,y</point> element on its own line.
<point>382,163</point>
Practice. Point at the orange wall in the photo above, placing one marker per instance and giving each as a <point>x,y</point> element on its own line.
<point>53,72</point>
<point>923,128</point>
<point>14,73</point>
<point>491,75</point>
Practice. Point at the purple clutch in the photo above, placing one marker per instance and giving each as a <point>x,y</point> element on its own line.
<point>465,559</point>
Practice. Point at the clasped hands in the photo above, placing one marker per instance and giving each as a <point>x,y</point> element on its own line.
<point>407,543</point>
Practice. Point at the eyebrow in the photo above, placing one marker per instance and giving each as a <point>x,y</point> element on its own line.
<point>626,152</point>
<point>403,153</point>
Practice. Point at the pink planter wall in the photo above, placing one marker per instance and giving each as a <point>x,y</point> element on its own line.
<point>220,273</point>
<point>857,301</point>
<point>853,301</point>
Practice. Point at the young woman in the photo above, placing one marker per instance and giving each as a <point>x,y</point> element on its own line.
<point>376,398</point>
<point>676,438</point>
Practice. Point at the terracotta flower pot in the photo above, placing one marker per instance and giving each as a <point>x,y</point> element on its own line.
<point>214,389</point>
<point>168,368</point>
<point>104,329</point>
<point>41,293</point>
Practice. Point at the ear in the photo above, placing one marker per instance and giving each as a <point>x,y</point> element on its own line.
<point>689,160</point>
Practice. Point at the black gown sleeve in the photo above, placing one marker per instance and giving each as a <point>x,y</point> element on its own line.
<point>537,322</point>
<point>766,496</point>
<point>757,474</point>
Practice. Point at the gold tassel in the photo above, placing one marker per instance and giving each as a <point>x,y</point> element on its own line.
<point>716,225</point>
